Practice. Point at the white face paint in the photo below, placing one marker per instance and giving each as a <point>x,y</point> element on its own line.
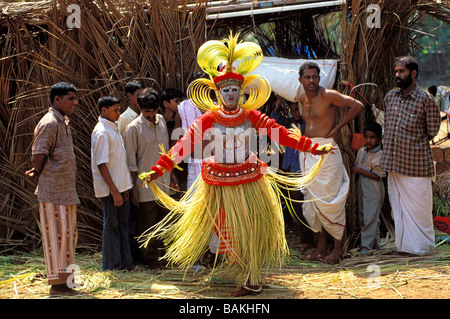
<point>230,95</point>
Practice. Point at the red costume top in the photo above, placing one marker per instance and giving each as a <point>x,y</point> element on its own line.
<point>231,174</point>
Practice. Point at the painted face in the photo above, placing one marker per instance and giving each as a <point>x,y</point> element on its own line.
<point>371,140</point>
<point>230,95</point>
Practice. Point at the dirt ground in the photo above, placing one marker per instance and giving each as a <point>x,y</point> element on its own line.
<point>380,276</point>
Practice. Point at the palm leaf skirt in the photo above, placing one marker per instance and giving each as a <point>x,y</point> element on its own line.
<point>247,218</point>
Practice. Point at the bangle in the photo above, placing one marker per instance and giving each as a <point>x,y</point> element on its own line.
<point>313,149</point>
<point>307,144</point>
<point>301,143</point>
<point>165,162</point>
<point>158,170</point>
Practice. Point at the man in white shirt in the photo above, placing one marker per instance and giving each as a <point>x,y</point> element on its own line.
<point>143,138</point>
<point>132,89</point>
<point>187,113</point>
<point>112,182</point>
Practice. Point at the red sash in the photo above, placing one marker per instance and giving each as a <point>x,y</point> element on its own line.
<point>233,174</point>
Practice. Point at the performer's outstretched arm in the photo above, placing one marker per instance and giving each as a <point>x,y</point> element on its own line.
<point>184,146</point>
<point>278,133</point>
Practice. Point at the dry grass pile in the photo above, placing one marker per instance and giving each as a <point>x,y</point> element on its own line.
<point>22,276</point>
<point>441,188</point>
<point>441,195</point>
<point>367,63</point>
<point>152,41</point>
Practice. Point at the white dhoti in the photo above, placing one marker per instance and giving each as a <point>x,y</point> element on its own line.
<point>327,195</point>
<point>411,201</point>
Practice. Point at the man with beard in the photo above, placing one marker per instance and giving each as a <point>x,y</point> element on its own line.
<point>411,121</point>
<point>324,208</point>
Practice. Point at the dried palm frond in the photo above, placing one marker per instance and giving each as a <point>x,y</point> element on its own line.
<point>151,41</point>
<point>441,188</point>
<point>156,41</point>
<point>367,57</point>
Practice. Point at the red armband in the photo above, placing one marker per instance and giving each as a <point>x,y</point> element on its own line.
<point>313,149</point>
<point>165,162</point>
<point>300,143</point>
<point>158,170</point>
<point>306,145</point>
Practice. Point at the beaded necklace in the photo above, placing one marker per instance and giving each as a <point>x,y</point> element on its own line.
<point>230,118</point>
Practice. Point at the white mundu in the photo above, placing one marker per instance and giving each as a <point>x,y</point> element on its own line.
<point>414,230</point>
<point>328,193</point>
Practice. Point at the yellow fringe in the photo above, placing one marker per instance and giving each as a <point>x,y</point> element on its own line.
<point>146,177</point>
<point>253,213</point>
<point>237,57</point>
<point>256,225</point>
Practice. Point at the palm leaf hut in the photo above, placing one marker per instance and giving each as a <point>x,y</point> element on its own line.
<point>111,42</point>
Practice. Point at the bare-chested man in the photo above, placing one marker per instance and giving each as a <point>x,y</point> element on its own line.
<point>326,213</point>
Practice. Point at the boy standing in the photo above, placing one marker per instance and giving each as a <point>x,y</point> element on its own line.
<point>170,99</point>
<point>370,187</point>
<point>142,139</point>
<point>53,160</point>
<point>112,182</point>
<point>132,89</point>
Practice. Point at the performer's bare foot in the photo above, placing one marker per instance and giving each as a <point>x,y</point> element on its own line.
<point>246,290</point>
<point>239,292</point>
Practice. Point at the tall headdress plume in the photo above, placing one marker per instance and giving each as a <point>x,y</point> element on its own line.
<point>228,62</point>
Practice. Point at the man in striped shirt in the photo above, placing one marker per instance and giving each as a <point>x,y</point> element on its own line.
<point>411,121</point>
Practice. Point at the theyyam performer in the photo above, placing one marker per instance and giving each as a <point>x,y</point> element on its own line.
<point>237,197</point>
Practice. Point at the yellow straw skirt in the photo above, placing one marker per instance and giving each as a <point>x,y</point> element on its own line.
<point>251,218</point>
<point>248,217</point>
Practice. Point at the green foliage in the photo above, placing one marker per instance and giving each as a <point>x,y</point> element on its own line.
<point>432,50</point>
<point>441,207</point>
